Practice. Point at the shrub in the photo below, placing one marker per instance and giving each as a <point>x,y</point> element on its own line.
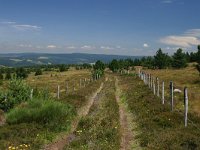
<point>21,73</point>
<point>38,72</point>
<point>48,113</point>
<point>18,91</point>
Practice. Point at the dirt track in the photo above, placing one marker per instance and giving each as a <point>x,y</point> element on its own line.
<point>62,141</point>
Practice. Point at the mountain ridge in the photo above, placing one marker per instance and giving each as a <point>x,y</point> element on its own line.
<point>30,59</point>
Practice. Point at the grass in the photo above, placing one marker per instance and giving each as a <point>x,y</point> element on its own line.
<point>35,122</point>
<point>100,128</point>
<point>159,128</point>
<point>50,80</point>
<point>186,77</point>
<point>39,121</point>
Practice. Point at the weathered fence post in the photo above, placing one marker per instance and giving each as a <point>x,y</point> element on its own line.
<point>145,78</point>
<point>186,106</point>
<point>158,87</point>
<point>31,96</point>
<point>149,80</point>
<point>172,95</point>
<point>58,92</point>
<point>163,92</point>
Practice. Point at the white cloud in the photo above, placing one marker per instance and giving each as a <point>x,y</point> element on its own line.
<point>71,47</point>
<point>193,32</point>
<point>182,41</point>
<point>8,22</point>
<point>106,48</point>
<point>187,39</point>
<point>51,46</point>
<point>145,45</point>
<point>22,27</point>
<point>25,27</point>
<point>25,45</point>
<point>87,47</point>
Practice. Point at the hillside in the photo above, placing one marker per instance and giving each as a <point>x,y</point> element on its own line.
<point>29,59</point>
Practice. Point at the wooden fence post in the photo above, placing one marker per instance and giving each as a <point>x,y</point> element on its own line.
<point>154,87</point>
<point>149,80</point>
<point>172,95</point>
<point>31,96</point>
<point>163,92</point>
<point>58,92</point>
<point>145,78</point>
<point>186,106</point>
<point>158,87</point>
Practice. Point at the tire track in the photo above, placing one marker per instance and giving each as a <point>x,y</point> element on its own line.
<point>126,122</point>
<point>82,112</point>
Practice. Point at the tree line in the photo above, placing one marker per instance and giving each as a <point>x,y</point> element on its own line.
<point>160,60</point>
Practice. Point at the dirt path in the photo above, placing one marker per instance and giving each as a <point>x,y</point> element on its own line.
<point>82,112</point>
<point>127,124</point>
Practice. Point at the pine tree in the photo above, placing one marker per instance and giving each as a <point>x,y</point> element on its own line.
<point>179,59</point>
<point>99,65</point>
<point>161,59</point>
<point>114,65</point>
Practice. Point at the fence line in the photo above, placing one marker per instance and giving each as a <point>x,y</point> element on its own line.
<point>153,82</point>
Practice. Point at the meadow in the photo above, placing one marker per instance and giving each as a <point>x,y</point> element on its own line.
<point>36,122</point>
<point>80,120</point>
<point>186,77</point>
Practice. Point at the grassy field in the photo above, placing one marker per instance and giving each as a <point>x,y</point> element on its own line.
<point>36,122</point>
<point>51,80</point>
<point>187,77</point>
<point>158,127</point>
<point>100,128</point>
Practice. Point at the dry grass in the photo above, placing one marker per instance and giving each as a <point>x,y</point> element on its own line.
<point>50,80</point>
<point>187,77</point>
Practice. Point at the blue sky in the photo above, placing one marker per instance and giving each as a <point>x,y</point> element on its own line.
<point>124,27</point>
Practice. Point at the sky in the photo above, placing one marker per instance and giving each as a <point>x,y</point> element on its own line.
<point>122,27</point>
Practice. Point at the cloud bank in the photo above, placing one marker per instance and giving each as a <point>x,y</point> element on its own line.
<point>187,39</point>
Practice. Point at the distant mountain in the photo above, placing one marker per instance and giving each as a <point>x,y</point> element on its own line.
<point>29,59</point>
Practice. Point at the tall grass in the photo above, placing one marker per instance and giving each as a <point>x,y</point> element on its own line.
<point>48,113</point>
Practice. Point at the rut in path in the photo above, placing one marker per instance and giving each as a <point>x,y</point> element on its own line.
<point>127,124</point>
<point>82,112</point>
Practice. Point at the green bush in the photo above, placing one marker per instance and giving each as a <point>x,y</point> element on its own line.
<point>18,91</point>
<point>48,113</point>
<point>38,72</point>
